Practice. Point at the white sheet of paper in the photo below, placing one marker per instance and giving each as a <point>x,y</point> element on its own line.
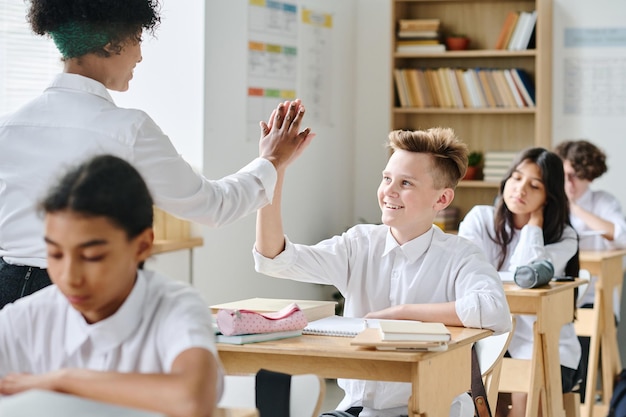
<point>506,276</point>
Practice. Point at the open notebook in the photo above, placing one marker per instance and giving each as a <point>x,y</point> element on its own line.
<point>336,326</point>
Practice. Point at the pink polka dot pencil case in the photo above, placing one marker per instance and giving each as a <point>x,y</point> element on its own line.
<point>235,322</point>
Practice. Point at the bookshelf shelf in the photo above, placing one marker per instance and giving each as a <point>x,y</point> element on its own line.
<point>443,110</point>
<point>486,53</point>
<point>478,184</point>
<point>491,128</point>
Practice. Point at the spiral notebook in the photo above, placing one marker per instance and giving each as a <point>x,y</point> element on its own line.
<point>336,326</point>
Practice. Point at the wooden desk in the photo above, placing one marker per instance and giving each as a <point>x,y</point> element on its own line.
<point>437,377</point>
<point>553,305</point>
<point>598,323</point>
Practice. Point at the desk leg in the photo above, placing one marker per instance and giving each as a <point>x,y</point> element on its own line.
<point>552,383</point>
<point>438,380</point>
<point>611,363</point>
<point>536,389</point>
<point>594,351</point>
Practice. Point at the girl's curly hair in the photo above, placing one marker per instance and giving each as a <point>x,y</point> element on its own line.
<point>120,20</point>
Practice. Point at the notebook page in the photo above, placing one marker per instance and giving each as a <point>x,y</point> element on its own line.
<point>336,326</point>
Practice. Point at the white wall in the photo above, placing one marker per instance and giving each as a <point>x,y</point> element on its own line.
<point>319,187</point>
<point>372,104</point>
<point>169,82</point>
<point>605,131</point>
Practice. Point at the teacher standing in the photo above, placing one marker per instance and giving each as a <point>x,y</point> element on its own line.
<point>75,118</point>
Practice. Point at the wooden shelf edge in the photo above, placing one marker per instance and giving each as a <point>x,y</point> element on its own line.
<point>163,245</point>
<point>478,184</point>
<point>448,110</point>
<point>477,53</point>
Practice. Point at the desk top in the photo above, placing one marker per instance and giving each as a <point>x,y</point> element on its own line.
<point>551,288</point>
<point>600,255</point>
<point>339,347</point>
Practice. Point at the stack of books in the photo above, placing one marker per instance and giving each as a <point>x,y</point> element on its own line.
<point>518,31</point>
<point>419,36</point>
<point>405,335</point>
<point>497,164</point>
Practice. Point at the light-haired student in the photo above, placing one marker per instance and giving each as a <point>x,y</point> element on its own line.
<point>530,222</point>
<point>596,215</point>
<point>76,118</point>
<point>405,268</point>
<point>108,330</point>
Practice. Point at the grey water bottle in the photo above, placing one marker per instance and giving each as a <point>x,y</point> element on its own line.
<point>533,275</point>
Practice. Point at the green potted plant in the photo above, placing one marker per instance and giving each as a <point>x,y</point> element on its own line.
<point>474,165</point>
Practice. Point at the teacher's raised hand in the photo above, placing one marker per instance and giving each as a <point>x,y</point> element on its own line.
<point>282,141</point>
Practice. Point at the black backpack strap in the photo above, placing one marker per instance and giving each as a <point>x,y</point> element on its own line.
<point>617,396</point>
<point>273,390</point>
<point>479,395</point>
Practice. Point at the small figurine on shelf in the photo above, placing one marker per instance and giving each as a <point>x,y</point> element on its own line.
<point>456,42</point>
<point>474,166</point>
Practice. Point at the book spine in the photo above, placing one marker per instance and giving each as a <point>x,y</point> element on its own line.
<point>489,94</point>
<point>516,95</point>
<point>517,77</point>
<point>423,87</point>
<point>517,33</point>
<point>503,88</point>
<point>507,29</point>
<point>400,88</point>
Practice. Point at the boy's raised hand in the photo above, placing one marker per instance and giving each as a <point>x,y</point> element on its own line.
<point>281,140</point>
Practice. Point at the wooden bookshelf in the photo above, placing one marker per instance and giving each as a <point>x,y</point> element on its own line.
<point>172,234</point>
<point>482,129</point>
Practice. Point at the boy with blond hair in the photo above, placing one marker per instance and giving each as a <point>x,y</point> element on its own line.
<point>405,268</point>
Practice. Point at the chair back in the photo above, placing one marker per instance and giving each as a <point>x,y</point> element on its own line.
<point>490,352</point>
<point>305,400</point>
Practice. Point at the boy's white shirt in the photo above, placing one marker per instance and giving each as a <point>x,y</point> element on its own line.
<point>373,272</point>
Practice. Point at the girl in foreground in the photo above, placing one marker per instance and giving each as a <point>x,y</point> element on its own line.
<point>108,330</point>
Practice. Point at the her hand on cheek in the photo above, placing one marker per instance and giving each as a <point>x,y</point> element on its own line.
<point>536,217</point>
